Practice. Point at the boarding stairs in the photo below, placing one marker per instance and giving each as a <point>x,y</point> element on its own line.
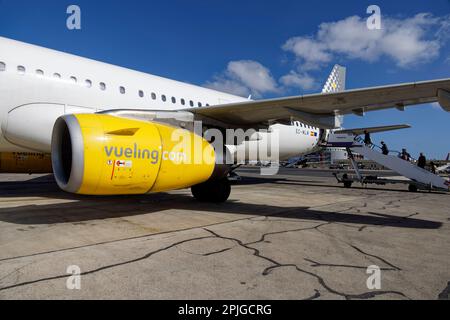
<point>403,167</point>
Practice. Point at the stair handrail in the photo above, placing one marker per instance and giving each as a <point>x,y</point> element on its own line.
<point>373,146</point>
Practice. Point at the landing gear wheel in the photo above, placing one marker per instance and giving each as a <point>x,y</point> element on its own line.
<point>412,188</point>
<point>348,184</point>
<point>216,191</point>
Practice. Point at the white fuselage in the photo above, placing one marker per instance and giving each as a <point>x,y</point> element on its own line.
<point>38,85</point>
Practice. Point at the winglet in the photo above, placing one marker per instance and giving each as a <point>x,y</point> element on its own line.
<point>444,99</point>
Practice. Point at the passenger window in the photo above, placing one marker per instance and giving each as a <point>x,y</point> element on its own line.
<point>199,104</point>
<point>174,100</point>
<point>88,83</point>
<point>191,103</point>
<point>207,104</point>
<point>73,79</point>
<point>57,76</point>
<point>102,86</point>
<point>39,72</point>
<point>21,70</point>
<point>183,102</point>
<point>122,90</point>
<point>2,66</point>
<point>141,93</point>
<point>163,98</point>
<point>153,96</point>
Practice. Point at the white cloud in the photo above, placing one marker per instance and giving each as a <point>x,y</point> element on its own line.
<point>311,52</point>
<point>223,84</point>
<point>243,78</point>
<point>405,41</point>
<point>303,81</point>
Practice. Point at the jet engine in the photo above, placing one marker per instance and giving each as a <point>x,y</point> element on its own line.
<point>98,154</point>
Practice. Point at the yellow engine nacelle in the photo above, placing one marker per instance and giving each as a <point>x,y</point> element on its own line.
<point>95,154</point>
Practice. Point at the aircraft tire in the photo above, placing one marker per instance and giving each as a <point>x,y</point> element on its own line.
<point>215,191</point>
<point>348,184</point>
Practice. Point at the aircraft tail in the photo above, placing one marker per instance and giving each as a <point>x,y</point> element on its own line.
<point>336,83</point>
<point>336,80</point>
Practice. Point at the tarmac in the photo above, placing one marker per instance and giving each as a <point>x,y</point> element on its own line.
<point>298,235</point>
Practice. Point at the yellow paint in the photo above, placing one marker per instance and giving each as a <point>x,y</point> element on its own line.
<point>125,156</point>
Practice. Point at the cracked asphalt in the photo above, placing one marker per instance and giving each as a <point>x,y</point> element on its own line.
<point>298,235</point>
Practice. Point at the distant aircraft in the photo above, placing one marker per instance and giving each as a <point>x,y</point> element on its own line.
<point>110,130</point>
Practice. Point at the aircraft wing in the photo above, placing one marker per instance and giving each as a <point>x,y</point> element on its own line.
<point>316,106</point>
<point>360,131</point>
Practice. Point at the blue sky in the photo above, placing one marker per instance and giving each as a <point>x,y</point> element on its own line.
<point>243,46</point>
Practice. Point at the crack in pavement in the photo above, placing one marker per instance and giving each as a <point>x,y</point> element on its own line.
<point>256,252</point>
<point>374,256</point>
<point>315,296</point>
<point>277,265</point>
<point>148,255</point>
<point>263,237</point>
<point>360,250</point>
<point>126,239</point>
<point>445,294</point>
<point>318,264</point>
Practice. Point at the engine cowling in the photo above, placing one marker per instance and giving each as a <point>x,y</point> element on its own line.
<point>95,154</point>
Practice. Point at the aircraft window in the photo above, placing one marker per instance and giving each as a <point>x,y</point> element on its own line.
<point>153,96</point>
<point>174,100</point>
<point>191,103</point>
<point>57,76</point>
<point>2,66</point>
<point>183,102</point>
<point>73,79</point>
<point>88,83</point>
<point>21,69</point>
<point>164,98</point>
<point>141,93</point>
<point>102,86</point>
<point>122,90</point>
<point>207,104</point>
<point>39,72</point>
<point>199,104</point>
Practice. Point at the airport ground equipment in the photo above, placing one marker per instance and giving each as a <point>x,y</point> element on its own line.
<point>417,178</point>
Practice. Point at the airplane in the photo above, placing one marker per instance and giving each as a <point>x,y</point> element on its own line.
<point>106,130</point>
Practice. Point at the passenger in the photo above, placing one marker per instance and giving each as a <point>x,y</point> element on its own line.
<point>405,155</point>
<point>422,162</point>
<point>384,148</point>
<point>433,167</point>
<point>367,139</point>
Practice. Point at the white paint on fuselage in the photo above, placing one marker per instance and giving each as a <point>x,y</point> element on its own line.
<point>30,102</point>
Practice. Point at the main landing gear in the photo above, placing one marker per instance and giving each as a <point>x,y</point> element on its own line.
<point>216,191</point>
